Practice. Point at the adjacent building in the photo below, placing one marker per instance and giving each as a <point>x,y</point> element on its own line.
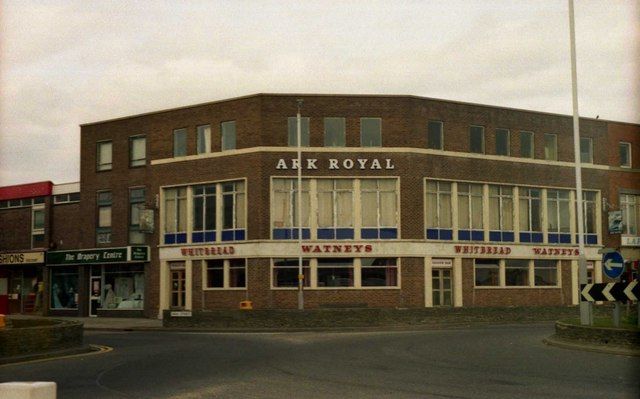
<point>406,202</point>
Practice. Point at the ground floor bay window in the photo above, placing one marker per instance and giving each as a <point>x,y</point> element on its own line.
<point>63,286</point>
<point>123,286</point>
<point>514,273</point>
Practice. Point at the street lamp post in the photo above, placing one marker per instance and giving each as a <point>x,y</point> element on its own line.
<point>586,315</point>
<point>299,207</point>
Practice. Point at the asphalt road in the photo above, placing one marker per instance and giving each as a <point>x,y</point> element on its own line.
<point>477,362</point>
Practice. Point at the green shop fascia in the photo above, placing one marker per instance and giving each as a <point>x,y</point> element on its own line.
<point>92,281</point>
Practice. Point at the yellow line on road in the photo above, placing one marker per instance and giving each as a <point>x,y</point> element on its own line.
<point>97,350</point>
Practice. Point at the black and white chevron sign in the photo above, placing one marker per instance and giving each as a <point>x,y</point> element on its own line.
<point>610,292</point>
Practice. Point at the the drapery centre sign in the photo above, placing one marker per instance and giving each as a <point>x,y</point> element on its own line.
<point>106,255</point>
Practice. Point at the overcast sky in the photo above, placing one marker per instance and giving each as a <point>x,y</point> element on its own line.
<point>63,63</point>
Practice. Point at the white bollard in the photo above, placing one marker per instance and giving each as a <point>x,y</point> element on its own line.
<point>28,390</point>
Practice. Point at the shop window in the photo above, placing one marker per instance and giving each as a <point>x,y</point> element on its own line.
<point>470,213</point>
<point>559,230</point>
<point>625,154</point>
<point>438,210</point>
<point>204,213</point>
<point>589,207</point>
<point>285,209</point>
<point>370,132</point>
<point>379,272</point>
<point>335,209</point>
<point>487,272</point>
<point>501,213</point>
<point>435,139</point>
<point>630,213</point>
<point>233,211</point>
<point>545,272</point>
<point>334,132</point>
<point>336,272</point>
<point>64,287</point>
<point>526,145</point>
<point>180,142</point>
<point>136,204</point>
<point>226,273</point>
<point>104,155</point>
<point>502,142</point>
<point>285,272</point>
<point>292,131</point>
<point>175,215</point>
<point>103,231</point>
<point>530,215</point>
<point>137,151</point>
<point>228,134</point>
<point>516,272</point>
<point>586,150</point>
<point>379,205</point>
<point>551,147</point>
<point>476,139</point>
<point>123,287</point>
<point>203,139</point>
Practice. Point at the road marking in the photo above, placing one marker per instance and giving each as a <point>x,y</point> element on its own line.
<point>99,349</point>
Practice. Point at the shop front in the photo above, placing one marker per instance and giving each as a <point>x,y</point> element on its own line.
<point>97,282</point>
<point>21,282</point>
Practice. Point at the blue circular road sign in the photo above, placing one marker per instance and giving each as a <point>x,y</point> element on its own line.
<point>612,264</point>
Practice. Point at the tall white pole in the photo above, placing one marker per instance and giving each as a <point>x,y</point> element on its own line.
<point>586,317</point>
<point>299,210</point>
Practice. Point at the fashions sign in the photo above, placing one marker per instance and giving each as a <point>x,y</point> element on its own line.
<point>337,164</point>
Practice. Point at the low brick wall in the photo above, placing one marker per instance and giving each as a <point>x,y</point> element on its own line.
<point>598,335</point>
<point>30,336</point>
<point>362,317</point>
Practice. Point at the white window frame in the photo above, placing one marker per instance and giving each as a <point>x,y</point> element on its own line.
<point>438,193</point>
<point>557,216</point>
<point>470,196</point>
<point>628,201</point>
<point>529,198</point>
<point>137,162</point>
<point>378,192</point>
<point>500,197</point>
<point>203,130</point>
<point>531,276</point>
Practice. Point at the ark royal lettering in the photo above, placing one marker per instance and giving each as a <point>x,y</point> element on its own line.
<point>482,250</point>
<point>204,251</point>
<point>337,164</point>
<point>556,251</point>
<point>337,249</point>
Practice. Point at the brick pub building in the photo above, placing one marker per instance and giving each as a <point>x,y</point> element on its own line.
<point>406,202</point>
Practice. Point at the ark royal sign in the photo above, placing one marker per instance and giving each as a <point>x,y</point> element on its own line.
<point>102,255</point>
<point>337,164</point>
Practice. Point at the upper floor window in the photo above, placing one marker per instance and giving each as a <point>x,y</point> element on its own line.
<point>558,211</point>
<point>334,132</point>
<point>233,206</point>
<point>476,139</point>
<point>502,142</point>
<point>586,150</point>
<point>370,132</point>
<point>228,135</point>
<point>103,231</point>
<point>136,204</point>
<point>335,203</point>
<point>105,155</point>
<point>137,150</point>
<point>500,208</point>
<point>470,206</point>
<point>526,144</point>
<point>379,202</point>
<point>550,147</point>
<point>37,227</point>
<point>285,203</point>
<point>530,209</point>
<point>66,198</point>
<point>629,205</point>
<point>203,139</point>
<point>175,213</point>
<point>292,130</point>
<point>179,142</point>
<point>589,209</point>
<point>625,154</point>
<point>435,137</point>
<point>438,210</point>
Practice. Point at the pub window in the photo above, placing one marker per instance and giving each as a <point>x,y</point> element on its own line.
<point>226,273</point>
<point>625,154</point>
<point>476,139</point>
<point>334,132</point>
<point>370,132</point>
<point>502,142</point>
<point>470,212</point>
<point>379,204</point>
<point>292,130</point>
<point>203,139</point>
<point>335,209</point>
<point>558,205</point>
<point>137,151</point>
<point>136,204</point>
<point>630,213</point>
<point>285,209</point>
<point>335,272</point>
<point>204,213</point>
<point>438,210</point>
<point>435,137</point>
<point>228,130</point>
<point>589,208</point>
<point>285,272</point>
<point>526,144</point>
<point>379,272</point>
<point>551,147</point>
<point>179,142</point>
<point>104,155</point>
<point>516,272</point>
<point>545,272</point>
<point>175,215</point>
<point>501,213</point>
<point>103,231</point>
<point>233,211</point>
<point>586,150</point>
<point>530,215</point>
<point>487,272</point>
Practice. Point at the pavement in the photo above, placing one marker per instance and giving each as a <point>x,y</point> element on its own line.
<point>106,323</point>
